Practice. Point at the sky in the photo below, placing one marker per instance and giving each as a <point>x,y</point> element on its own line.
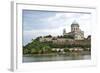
<point>41,23</point>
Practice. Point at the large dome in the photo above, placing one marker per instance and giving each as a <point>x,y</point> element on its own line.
<point>74,24</point>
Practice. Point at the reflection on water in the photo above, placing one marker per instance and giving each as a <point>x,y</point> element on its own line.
<point>42,58</point>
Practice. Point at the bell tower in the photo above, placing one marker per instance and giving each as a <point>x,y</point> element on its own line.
<point>64,31</point>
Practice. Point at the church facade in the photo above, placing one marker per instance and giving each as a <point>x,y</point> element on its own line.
<point>76,32</point>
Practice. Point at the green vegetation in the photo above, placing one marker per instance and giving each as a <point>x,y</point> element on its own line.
<point>37,47</point>
<point>48,36</point>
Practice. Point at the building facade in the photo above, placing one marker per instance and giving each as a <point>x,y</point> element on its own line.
<point>76,32</point>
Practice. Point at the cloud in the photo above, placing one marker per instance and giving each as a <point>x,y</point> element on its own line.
<point>28,35</point>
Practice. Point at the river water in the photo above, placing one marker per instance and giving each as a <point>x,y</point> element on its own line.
<point>44,58</point>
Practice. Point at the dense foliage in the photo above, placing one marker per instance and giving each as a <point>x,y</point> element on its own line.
<point>37,47</point>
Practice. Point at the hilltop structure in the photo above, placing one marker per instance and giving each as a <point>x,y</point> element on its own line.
<point>75,34</point>
<point>73,41</point>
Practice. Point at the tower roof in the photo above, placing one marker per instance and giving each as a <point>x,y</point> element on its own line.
<point>74,24</point>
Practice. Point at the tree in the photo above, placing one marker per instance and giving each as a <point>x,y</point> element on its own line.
<point>48,36</point>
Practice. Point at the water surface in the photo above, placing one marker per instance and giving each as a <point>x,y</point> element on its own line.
<point>43,58</point>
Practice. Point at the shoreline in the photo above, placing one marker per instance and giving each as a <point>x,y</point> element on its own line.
<point>60,54</point>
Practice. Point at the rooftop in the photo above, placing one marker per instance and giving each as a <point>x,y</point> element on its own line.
<point>74,24</point>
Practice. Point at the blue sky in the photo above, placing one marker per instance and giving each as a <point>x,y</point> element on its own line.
<point>41,23</point>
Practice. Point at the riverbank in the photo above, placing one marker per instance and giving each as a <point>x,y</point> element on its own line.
<point>60,53</point>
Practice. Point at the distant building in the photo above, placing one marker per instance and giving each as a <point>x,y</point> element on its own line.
<point>47,39</point>
<point>76,32</point>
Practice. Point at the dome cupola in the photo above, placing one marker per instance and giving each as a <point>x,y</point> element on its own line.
<point>74,27</point>
<point>74,24</point>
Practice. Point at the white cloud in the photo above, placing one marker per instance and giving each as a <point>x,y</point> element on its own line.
<point>53,32</point>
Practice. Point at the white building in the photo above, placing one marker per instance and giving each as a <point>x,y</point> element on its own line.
<point>76,32</point>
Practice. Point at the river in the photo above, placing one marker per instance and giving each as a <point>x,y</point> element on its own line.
<point>43,58</point>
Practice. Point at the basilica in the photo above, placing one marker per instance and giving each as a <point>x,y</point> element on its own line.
<point>76,32</point>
